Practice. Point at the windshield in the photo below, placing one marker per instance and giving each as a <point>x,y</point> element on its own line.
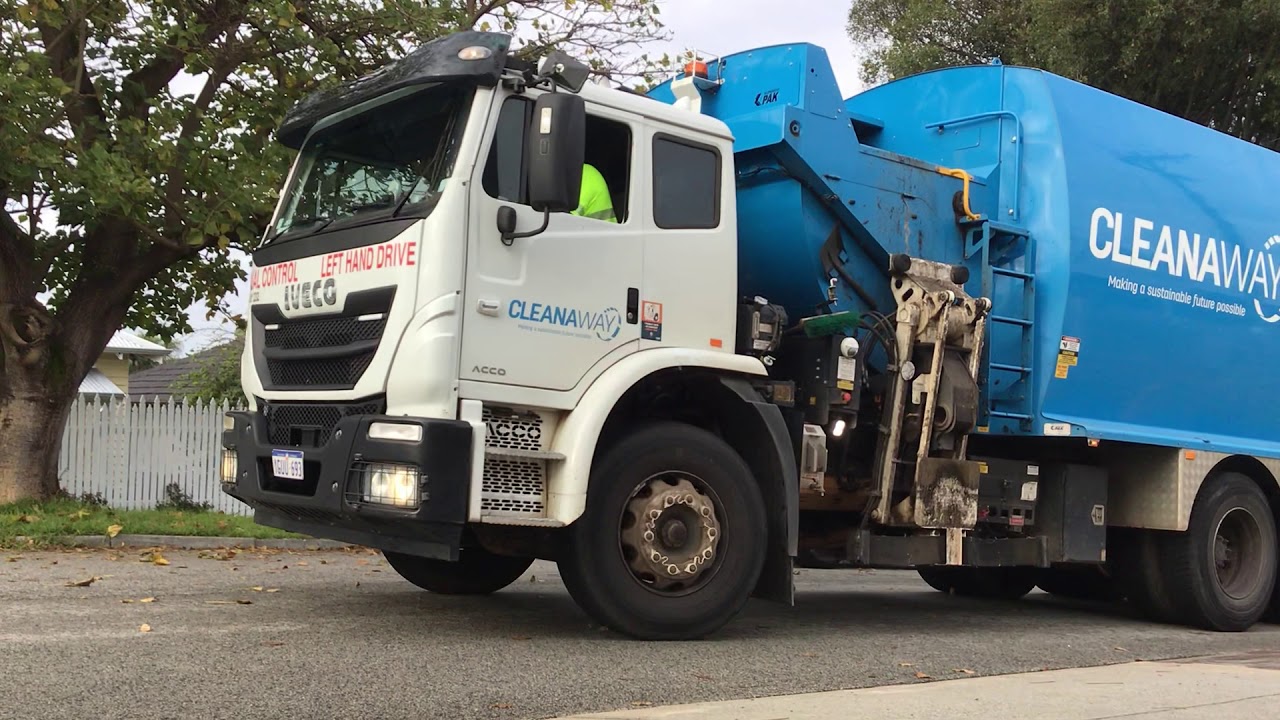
<point>377,164</point>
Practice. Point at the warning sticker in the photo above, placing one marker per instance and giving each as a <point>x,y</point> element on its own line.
<point>1068,356</point>
<point>651,321</point>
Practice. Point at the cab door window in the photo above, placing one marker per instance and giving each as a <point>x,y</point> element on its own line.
<point>608,152</point>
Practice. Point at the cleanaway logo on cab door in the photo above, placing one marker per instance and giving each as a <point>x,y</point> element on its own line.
<point>603,324</point>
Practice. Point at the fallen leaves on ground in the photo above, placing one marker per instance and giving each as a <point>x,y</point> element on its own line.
<point>29,519</point>
<point>700,676</point>
<point>965,671</point>
<point>902,664</point>
<point>501,706</point>
<point>641,703</point>
<point>80,514</point>
<point>808,654</point>
<point>114,530</point>
<point>144,628</point>
<point>1121,649</point>
<point>13,558</point>
<point>244,602</point>
<point>217,554</point>
<point>257,588</point>
<point>302,563</point>
<point>155,558</point>
<point>84,583</point>
<point>273,643</point>
<point>147,600</point>
<point>923,676</point>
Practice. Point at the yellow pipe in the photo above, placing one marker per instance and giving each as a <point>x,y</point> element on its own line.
<point>966,177</point>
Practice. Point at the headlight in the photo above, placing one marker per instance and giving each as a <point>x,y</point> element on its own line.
<point>228,466</point>
<point>390,484</point>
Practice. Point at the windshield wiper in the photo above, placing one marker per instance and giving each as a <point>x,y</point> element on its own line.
<point>434,165</point>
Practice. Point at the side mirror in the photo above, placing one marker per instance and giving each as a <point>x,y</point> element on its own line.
<point>564,71</point>
<point>506,221</point>
<point>556,152</point>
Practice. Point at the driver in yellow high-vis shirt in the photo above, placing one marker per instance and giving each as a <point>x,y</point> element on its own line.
<point>595,201</point>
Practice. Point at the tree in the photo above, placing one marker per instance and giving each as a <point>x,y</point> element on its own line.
<point>216,375</point>
<point>1214,62</point>
<point>136,155</point>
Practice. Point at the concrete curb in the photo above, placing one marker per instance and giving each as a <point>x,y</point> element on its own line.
<point>181,542</point>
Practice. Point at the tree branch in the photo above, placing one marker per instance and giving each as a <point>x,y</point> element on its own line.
<point>65,50</point>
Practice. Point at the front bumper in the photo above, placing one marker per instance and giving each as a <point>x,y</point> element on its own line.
<point>321,504</point>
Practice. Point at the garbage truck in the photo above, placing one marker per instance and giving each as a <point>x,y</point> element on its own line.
<point>985,323</point>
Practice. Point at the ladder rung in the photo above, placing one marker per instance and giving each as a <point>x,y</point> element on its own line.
<point>1011,320</point>
<point>1012,273</point>
<point>1010,368</point>
<point>1009,415</point>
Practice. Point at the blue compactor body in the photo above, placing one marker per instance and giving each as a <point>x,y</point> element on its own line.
<point>1132,257</point>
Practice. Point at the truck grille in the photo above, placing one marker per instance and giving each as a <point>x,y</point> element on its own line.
<point>310,424</point>
<point>320,352</point>
<point>324,332</point>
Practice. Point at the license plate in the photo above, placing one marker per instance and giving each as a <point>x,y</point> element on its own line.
<point>286,464</point>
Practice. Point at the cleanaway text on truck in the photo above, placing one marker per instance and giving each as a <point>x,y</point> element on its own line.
<point>984,322</point>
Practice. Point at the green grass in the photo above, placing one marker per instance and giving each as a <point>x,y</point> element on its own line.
<point>46,522</point>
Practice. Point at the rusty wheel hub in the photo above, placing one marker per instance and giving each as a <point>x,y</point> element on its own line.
<point>669,533</point>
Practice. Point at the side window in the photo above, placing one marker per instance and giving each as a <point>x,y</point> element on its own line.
<point>504,171</point>
<point>686,185</point>
<point>605,192</point>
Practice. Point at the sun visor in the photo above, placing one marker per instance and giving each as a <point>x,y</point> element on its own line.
<point>477,57</point>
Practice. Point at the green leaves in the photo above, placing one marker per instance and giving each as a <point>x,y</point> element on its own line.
<point>1168,54</point>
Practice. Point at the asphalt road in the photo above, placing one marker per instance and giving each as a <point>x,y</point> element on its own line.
<point>344,637</point>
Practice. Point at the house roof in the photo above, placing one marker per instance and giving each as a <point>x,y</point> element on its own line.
<point>95,383</point>
<point>165,381</point>
<point>126,343</point>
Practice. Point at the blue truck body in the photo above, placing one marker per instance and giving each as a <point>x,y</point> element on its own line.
<point>1132,257</point>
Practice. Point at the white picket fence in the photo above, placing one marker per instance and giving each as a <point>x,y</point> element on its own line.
<point>129,453</point>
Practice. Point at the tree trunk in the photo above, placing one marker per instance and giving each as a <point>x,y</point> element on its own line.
<point>32,419</point>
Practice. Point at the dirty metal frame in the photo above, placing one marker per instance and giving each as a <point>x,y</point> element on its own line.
<point>932,309</point>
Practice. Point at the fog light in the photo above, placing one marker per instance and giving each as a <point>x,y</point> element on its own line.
<point>229,466</point>
<point>395,431</point>
<point>389,484</point>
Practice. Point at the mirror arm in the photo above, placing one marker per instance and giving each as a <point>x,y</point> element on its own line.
<point>508,238</point>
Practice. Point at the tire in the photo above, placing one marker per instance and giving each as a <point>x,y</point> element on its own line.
<point>1084,582</point>
<point>995,583</point>
<point>603,565</point>
<point>1136,562</point>
<point>477,571</point>
<point>1222,570</point>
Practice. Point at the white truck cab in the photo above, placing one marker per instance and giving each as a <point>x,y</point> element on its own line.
<point>435,350</point>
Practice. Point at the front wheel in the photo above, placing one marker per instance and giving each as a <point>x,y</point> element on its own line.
<point>476,572</point>
<point>672,541</point>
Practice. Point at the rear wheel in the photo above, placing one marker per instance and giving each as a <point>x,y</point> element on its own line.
<point>672,541</point>
<point>1222,570</point>
<point>1002,583</point>
<point>1136,563</point>
<point>477,571</point>
<point>1085,582</point>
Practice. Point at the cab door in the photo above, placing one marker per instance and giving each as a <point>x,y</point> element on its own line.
<point>542,311</point>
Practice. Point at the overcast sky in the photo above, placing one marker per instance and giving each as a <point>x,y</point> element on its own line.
<point>713,27</point>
